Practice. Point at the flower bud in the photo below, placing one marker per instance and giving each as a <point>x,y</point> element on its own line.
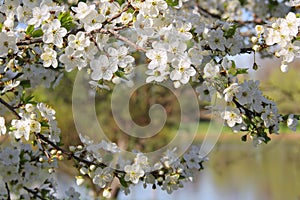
<point>107,193</point>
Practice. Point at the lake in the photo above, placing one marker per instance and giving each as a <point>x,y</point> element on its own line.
<point>237,170</point>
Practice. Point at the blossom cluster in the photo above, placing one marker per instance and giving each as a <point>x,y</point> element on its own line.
<point>179,41</point>
<point>169,172</point>
<point>283,32</point>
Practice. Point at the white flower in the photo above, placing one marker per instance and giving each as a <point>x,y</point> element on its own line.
<point>109,146</point>
<point>40,14</point>
<point>142,161</point>
<point>49,57</point>
<point>195,55</point>
<point>230,92</point>
<point>10,156</point>
<point>182,72</point>
<point>232,116</point>
<point>158,58</point>
<point>257,140</point>
<point>259,29</point>
<point>192,160</point>
<point>46,111</point>
<point>284,67</point>
<point>133,173</point>
<point>120,56</point>
<point>143,25</point>
<point>245,94</point>
<point>152,7</point>
<point>9,173</point>
<point>211,70</point>
<point>72,59</point>
<point>7,42</point>
<point>54,33</point>
<point>157,75</point>
<point>107,193</point>
<point>216,40</point>
<point>21,128</point>
<point>291,24</point>
<point>93,21</point>
<point>183,31</point>
<point>102,69</point>
<point>2,126</point>
<point>10,85</point>
<point>293,3</point>
<point>205,91</point>
<point>270,116</point>
<point>78,42</point>
<point>292,122</point>
<point>125,18</point>
<point>72,194</point>
<point>171,183</point>
<point>102,176</point>
<point>83,10</point>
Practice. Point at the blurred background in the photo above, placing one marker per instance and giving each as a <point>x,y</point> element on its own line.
<point>235,170</point>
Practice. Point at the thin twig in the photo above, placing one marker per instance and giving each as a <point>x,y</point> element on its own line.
<point>34,192</point>
<point>126,40</point>
<point>10,108</point>
<point>8,191</point>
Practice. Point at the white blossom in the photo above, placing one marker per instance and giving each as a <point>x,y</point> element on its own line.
<point>292,122</point>
<point>2,126</point>
<point>102,68</point>
<point>54,33</point>
<point>7,42</point>
<point>232,116</point>
<point>133,173</point>
<point>40,14</point>
<point>49,57</point>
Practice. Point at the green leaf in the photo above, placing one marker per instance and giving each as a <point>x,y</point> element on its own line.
<point>242,71</point>
<point>25,83</point>
<point>1,25</point>
<point>244,138</point>
<point>172,2</point>
<point>232,71</point>
<point>123,182</point>
<point>119,73</point>
<point>29,29</point>
<point>37,33</point>
<point>44,124</point>
<point>243,2</point>
<point>121,2</point>
<point>230,31</point>
<point>66,20</point>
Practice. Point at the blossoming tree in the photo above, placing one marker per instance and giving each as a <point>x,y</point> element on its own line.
<point>185,42</point>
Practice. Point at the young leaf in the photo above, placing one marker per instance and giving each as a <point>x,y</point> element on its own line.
<point>172,2</point>
<point>29,29</point>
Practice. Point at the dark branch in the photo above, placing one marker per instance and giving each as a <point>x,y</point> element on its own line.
<point>34,193</point>
<point>10,108</point>
<point>8,191</point>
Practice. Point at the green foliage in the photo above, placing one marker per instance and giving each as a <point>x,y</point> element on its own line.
<point>235,71</point>
<point>66,20</point>
<point>229,33</point>
<point>243,2</point>
<point>121,2</point>
<point>172,2</point>
<point>33,32</point>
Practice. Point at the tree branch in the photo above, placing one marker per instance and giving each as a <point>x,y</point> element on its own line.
<point>10,108</point>
<point>8,191</point>
<point>34,192</point>
<point>126,40</point>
